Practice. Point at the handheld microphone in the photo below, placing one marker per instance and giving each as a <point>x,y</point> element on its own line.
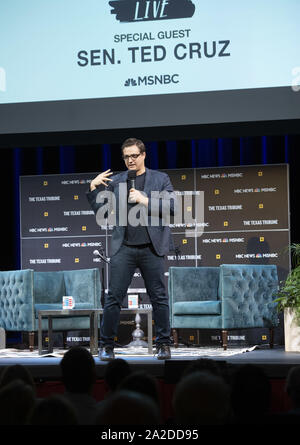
<point>131,178</point>
<point>131,182</point>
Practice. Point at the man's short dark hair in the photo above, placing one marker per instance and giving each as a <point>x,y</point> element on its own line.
<point>133,141</point>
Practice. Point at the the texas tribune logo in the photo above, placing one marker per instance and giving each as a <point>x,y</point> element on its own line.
<point>147,10</point>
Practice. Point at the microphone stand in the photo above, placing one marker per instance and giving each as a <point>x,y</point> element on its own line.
<point>177,253</point>
<point>107,261</point>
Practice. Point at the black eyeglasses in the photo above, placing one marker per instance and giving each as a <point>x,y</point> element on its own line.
<point>134,156</point>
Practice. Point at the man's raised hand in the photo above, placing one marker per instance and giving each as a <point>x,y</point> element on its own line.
<point>102,178</point>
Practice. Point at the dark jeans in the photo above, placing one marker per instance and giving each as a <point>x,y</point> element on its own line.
<point>122,268</point>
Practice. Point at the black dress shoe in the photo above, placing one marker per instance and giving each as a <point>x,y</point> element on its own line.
<point>106,353</point>
<point>163,352</point>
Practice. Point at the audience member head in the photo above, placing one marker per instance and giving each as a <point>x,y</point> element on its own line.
<point>16,372</point>
<point>78,370</point>
<point>203,364</point>
<point>17,400</point>
<point>143,383</point>
<point>115,371</point>
<point>292,385</point>
<point>54,410</point>
<point>250,393</point>
<point>201,398</point>
<point>128,408</point>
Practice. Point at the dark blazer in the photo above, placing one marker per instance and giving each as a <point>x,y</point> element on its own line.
<point>155,183</point>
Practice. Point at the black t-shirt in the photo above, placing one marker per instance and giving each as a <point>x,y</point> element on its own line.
<point>138,235</point>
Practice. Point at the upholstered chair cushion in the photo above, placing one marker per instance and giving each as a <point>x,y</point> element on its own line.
<point>49,287</point>
<point>84,286</point>
<point>197,308</point>
<point>194,283</point>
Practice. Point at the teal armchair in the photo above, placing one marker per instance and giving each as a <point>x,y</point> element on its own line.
<point>24,292</point>
<point>232,296</point>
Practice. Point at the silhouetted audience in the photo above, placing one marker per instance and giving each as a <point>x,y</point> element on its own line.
<point>214,367</point>
<point>205,395</point>
<point>142,383</point>
<point>17,372</point>
<point>79,376</point>
<point>54,410</point>
<point>128,408</point>
<point>201,398</point>
<point>292,388</point>
<point>115,371</point>
<point>17,401</point>
<point>250,395</point>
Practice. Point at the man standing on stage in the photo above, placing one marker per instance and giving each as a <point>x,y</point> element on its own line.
<point>134,245</point>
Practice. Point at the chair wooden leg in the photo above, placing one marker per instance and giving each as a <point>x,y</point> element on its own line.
<point>271,333</point>
<point>31,341</point>
<point>175,337</point>
<point>224,339</point>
